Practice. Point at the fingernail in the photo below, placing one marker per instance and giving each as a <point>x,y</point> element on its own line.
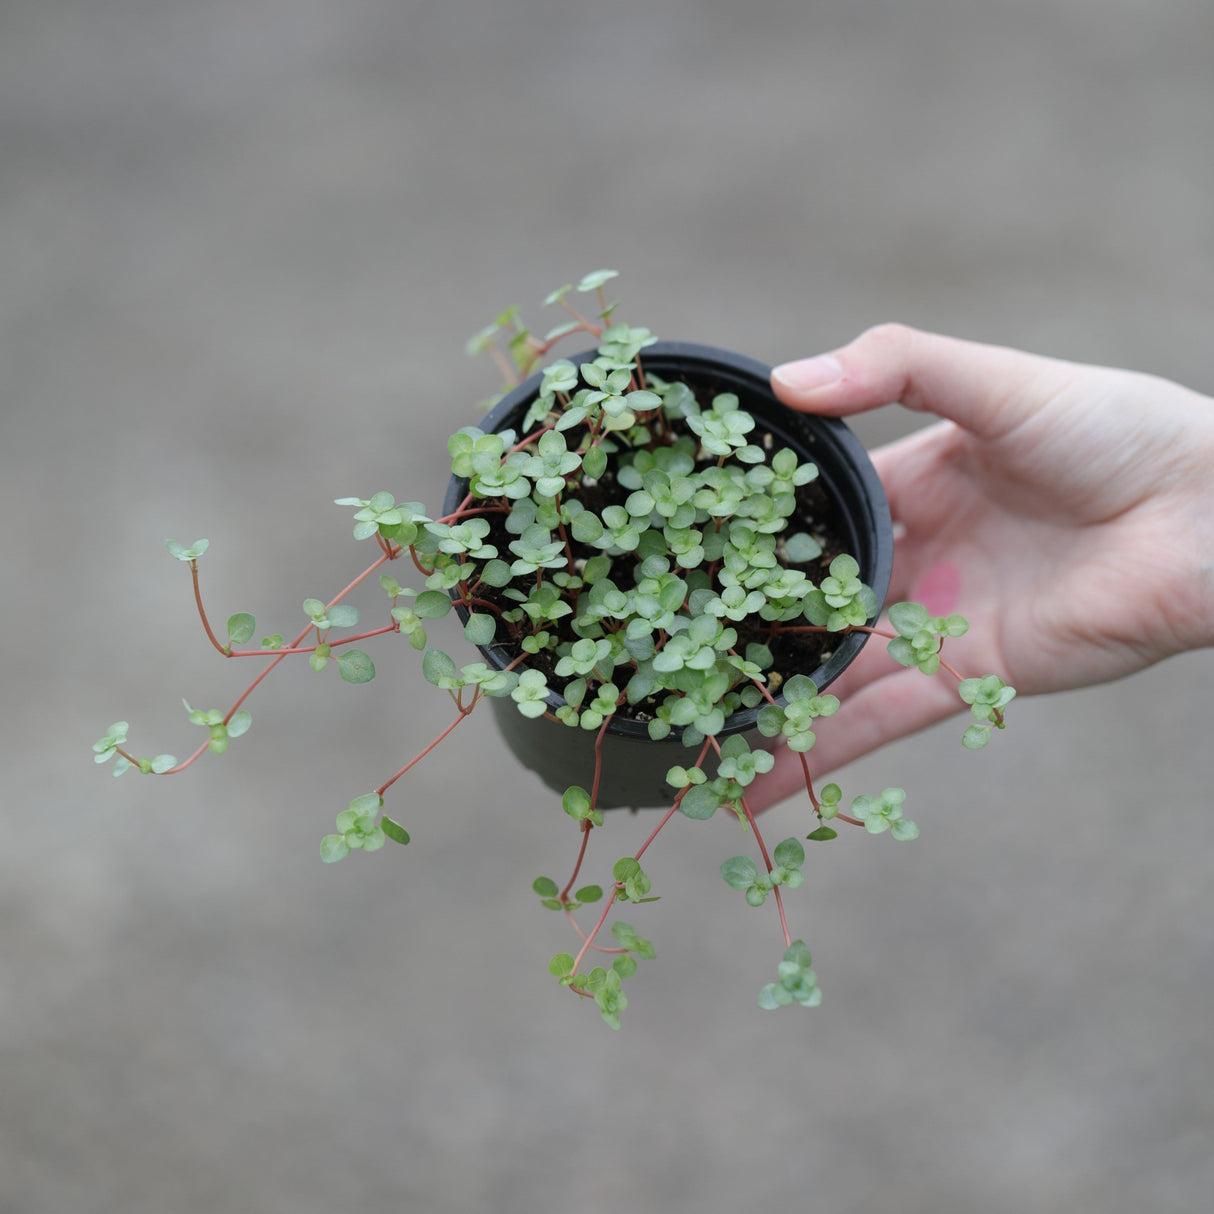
<point>809,374</point>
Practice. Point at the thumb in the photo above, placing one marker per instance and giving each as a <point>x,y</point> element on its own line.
<point>988,390</point>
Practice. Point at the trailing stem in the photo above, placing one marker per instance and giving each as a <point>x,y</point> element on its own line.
<point>618,886</point>
<point>877,632</point>
<point>275,655</point>
<point>413,762</point>
<point>754,826</point>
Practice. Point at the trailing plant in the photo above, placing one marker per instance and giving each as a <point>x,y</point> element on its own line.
<point>639,555</point>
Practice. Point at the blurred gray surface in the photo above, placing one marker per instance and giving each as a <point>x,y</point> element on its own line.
<point>240,247</point>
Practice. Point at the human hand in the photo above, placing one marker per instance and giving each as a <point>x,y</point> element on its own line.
<point>1066,510</point>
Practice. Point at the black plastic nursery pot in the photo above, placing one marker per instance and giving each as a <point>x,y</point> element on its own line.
<point>634,767</point>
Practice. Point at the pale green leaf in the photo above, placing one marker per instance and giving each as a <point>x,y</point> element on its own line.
<point>355,666</point>
<point>334,848</point>
<point>241,627</point>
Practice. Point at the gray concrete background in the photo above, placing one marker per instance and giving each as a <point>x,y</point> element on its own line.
<point>240,247</point>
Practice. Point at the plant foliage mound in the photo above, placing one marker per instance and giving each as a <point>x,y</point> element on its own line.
<point>640,549</point>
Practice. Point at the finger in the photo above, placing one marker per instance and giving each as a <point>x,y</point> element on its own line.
<point>935,584</point>
<point>988,390</point>
<point>870,664</point>
<point>887,709</point>
<point>909,469</point>
<point>918,573</point>
<point>923,501</point>
<point>921,505</point>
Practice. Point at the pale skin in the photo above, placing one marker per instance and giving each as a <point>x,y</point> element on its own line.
<point>1067,511</point>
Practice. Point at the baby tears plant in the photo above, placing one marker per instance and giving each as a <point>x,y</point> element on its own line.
<point>637,547</point>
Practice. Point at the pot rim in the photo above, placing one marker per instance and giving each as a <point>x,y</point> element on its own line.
<point>848,455</point>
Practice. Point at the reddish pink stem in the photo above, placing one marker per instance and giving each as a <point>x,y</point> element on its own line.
<point>598,948</point>
<point>581,855</point>
<point>278,655</point>
<point>767,860</point>
<point>265,653</point>
<point>588,941</point>
<point>463,712</point>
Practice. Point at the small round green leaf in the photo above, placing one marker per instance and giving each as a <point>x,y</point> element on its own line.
<point>700,803</point>
<point>480,629</point>
<point>560,965</point>
<point>596,279</point>
<point>240,722</point>
<point>789,854</point>
<point>587,527</point>
<point>576,802</point>
<point>594,462</point>
<point>342,615</point>
<point>739,872</point>
<point>187,554</point>
<point>437,665</point>
<point>355,666</point>
<point>770,720</point>
<point>374,839</point>
<point>772,996</point>
<point>431,605</point>
<point>624,966</point>
<point>907,618</point>
<point>334,848</point>
<point>348,820</point>
<point>677,777</point>
<point>241,627</point>
<point>802,548</point>
<point>368,803</point>
<point>394,830</point>
<point>625,867</point>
